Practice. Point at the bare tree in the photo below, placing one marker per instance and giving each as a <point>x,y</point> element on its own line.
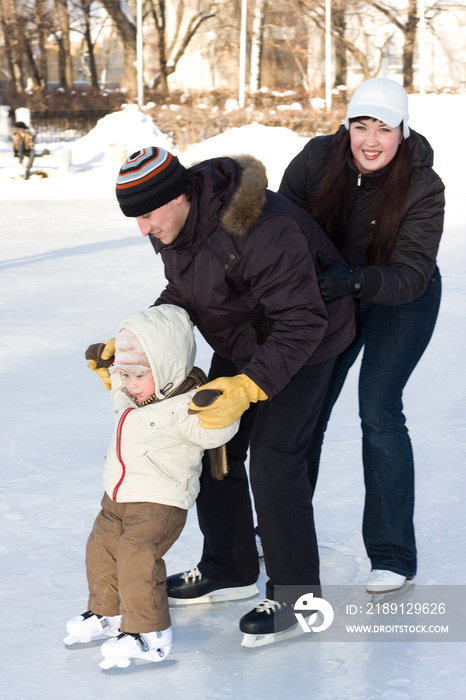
<point>186,26</point>
<point>43,20</point>
<point>339,26</point>
<point>18,31</point>
<point>82,24</point>
<point>106,55</point>
<point>126,29</point>
<point>159,16</point>
<point>7,25</point>
<point>256,45</point>
<point>408,26</point>
<point>62,36</point>
<point>343,40</point>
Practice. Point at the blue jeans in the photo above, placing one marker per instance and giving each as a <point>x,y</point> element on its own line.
<point>394,339</point>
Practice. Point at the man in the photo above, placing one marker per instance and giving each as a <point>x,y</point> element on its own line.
<point>241,260</point>
<point>23,147</point>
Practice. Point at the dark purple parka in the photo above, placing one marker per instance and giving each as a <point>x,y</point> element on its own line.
<point>414,257</point>
<point>244,269</point>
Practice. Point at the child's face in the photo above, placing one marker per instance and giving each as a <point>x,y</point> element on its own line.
<point>141,386</point>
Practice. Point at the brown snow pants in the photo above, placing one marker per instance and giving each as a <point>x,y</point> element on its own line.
<point>125,570</point>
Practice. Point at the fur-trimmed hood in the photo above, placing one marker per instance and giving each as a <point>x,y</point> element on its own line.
<point>248,199</point>
<point>166,337</point>
<point>229,192</point>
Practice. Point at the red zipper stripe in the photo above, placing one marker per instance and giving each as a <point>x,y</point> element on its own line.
<point>118,450</point>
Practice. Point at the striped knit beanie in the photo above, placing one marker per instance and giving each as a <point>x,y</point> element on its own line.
<point>149,179</point>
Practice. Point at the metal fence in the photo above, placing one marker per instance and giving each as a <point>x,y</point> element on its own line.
<point>51,127</point>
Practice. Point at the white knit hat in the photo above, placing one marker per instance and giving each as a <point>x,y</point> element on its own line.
<point>382,99</point>
<point>129,355</point>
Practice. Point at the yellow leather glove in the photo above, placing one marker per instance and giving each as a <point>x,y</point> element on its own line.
<point>100,357</point>
<point>230,396</point>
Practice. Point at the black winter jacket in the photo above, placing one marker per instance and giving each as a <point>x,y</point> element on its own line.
<point>413,258</point>
<point>243,267</point>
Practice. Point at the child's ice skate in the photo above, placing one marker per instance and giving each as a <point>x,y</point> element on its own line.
<point>90,627</point>
<point>150,646</point>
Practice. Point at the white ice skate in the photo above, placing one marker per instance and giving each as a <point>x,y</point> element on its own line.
<point>384,585</point>
<point>149,646</point>
<point>89,627</point>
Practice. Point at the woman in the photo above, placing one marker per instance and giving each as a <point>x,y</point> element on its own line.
<point>372,189</point>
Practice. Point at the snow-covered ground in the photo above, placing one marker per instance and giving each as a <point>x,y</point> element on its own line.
<point>71,267</point>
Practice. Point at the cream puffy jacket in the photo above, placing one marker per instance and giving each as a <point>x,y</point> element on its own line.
<point>156,451</point>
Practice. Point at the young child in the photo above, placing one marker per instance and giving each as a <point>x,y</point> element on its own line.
<point>151,478</point>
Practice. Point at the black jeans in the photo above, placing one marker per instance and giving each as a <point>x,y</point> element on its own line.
<point>24,153</point>
<point>394,339</point>
<point>278,433</point>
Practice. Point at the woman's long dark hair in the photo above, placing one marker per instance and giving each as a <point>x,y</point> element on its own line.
<point>329,205</point>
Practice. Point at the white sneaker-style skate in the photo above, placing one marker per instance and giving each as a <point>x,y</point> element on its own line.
<point>90,627</point>
<point>150,646</point>
<point>381,582</point>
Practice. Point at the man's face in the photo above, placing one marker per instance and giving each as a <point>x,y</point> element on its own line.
<point>166,222</point>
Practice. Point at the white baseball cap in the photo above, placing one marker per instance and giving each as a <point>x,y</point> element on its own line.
<point>382,99</point>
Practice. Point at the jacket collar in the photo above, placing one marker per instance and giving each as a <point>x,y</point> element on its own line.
<point>227,192</point>
<point>365,180</point>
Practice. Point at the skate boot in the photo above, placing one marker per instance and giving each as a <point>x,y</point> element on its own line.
<point>382,581</point>
<point>150,646</point>
<point>90,627</point>
<point>384,585</point>
<point>269,622</point>
<point>191,587</point>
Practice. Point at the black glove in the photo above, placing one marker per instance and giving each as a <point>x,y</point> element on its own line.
<point>336,279</point>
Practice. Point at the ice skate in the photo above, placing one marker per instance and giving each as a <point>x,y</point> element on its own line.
<point>149,646</point>
<point>90,627</point>
<point>192,588</point>
<point>385,585</point>
<point>268,623</point>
